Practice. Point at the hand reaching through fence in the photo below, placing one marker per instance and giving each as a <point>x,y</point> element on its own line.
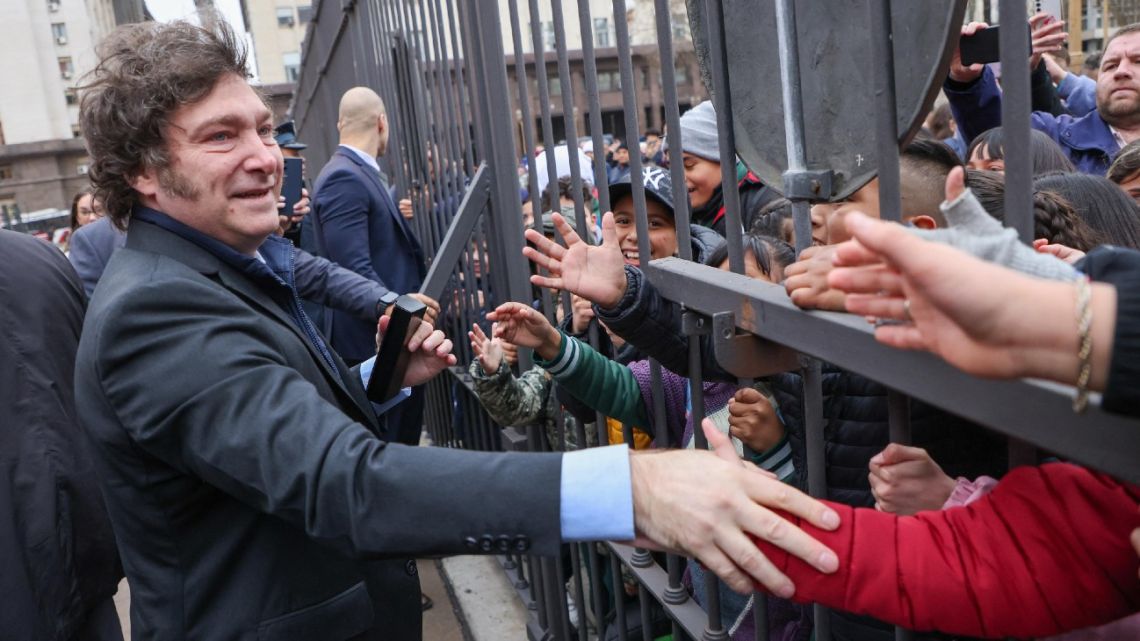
<point>596,273</point>
<point>806,280</point>
<point>753,420</point>
<point>525,326</point>
<point>906,480</point>
<point>711,504</point>
<point>489,351</point>
<point>994,331</point>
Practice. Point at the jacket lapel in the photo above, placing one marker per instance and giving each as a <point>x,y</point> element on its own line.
<point>154,239</point>
<point>374,177</point>
<point>344,379</point>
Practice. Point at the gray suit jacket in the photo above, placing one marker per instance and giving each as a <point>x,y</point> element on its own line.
<point>250,494</point>
<point>90,249</point>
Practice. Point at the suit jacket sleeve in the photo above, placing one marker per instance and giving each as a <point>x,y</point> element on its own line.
<point>344,210</point>
<point>253,427</point>
<point>326,282</point>
<point>88,262</point>
<point>652,324</point>
<point>1047,551</point>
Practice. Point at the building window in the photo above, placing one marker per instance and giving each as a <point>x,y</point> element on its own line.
<point>71,97</point>
<point>292,62</point>
<point>6,172</point>
<point>680,23</point>
<point>602,32</point>
<point>53,6</point>
<point>66,68</point>
<point>548,34</point>
<point>681,76</point>
<point>59,32</point>
<point>9,210</point>
<point>554,85</point>
<point>75,132</point>
<point>609,81</point>
<point>304,14</point>
<point>285,17</point>
<point>81,167</point>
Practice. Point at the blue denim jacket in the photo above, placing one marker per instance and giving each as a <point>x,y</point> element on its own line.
<point>1087,141</point>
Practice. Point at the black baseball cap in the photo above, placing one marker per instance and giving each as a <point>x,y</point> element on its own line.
<point>658,186</point>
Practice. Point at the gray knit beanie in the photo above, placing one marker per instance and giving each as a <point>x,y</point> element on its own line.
<point>698,132</point>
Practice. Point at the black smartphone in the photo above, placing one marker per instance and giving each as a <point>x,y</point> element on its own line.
<point>291,184</point>
<point>981,48</point>
<point>392,358</point>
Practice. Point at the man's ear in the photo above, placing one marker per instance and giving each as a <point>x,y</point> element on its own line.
<point>145,182</point>
<point>923,222</point>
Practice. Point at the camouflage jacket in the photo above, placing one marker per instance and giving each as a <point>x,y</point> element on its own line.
<point>528,400</point>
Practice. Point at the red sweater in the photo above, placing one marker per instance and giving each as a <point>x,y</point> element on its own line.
<point>1047,551</point>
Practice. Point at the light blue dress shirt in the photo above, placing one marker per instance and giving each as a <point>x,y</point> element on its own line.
<point>596,490</point>
<point>597,495</point>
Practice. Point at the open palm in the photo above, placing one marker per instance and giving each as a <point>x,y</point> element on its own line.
<point>596,273</point>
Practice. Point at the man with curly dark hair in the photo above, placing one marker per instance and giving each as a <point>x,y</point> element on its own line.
<point>250,493</point>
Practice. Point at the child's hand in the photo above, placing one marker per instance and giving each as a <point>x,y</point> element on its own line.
<point>583,314</point>
<point>906,480</point>
<point>489,351</point>
<point>523,325</point>
<point>510,350</point>
<point>806,281</point>
<point>1067,254</point>
<point>596,273</point>
<point>752,419</point>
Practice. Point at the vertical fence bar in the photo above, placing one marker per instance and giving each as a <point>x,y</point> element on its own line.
<point>444,83</point>
<point>1016,109</point>
<point>594,117</point>
<point>890,205</point>
<point>675,592</point>
<point>460,70</point>
<point>570,126</point>
<point>788,44</point>
<point>722,100</point>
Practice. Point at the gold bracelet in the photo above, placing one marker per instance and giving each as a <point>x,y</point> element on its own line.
<point>1084,352</point>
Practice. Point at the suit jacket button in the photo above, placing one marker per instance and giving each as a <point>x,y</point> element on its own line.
<point>471,542</point>
<point>410,568</point>
<point>487,543</point>
<point>504,543</point>
<point>522,544</point>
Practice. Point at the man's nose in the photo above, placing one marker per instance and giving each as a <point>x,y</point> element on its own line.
<point>261,157</point>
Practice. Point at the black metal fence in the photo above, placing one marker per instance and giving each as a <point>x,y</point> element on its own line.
<point>459,126</point>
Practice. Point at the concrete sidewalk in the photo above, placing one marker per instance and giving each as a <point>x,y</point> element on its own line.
<point>483,598</point>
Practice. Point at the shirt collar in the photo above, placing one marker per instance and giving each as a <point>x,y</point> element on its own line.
<point>273,262</point>
<point>1117,137</point>
<point>368,160</point>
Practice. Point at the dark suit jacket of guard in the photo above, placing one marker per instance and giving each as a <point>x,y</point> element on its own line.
<point>250,495</point>
<point>358,226</point>
<point>57,551</point>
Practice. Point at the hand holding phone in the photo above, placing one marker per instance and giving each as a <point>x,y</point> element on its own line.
<point>983,47</point>
<point>291,184</point>
<point>392,357</point>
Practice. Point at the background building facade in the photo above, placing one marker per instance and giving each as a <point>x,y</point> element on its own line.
<point>50,45</point>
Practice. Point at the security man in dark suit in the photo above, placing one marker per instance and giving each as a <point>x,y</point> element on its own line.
<point>359,226</point>
<point>59,568</point>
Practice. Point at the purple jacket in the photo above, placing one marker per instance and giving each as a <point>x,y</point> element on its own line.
<point>1087,141</point>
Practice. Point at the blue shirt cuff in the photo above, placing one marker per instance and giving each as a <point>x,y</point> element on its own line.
<point>597,495</point>
<point>381,408</point>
